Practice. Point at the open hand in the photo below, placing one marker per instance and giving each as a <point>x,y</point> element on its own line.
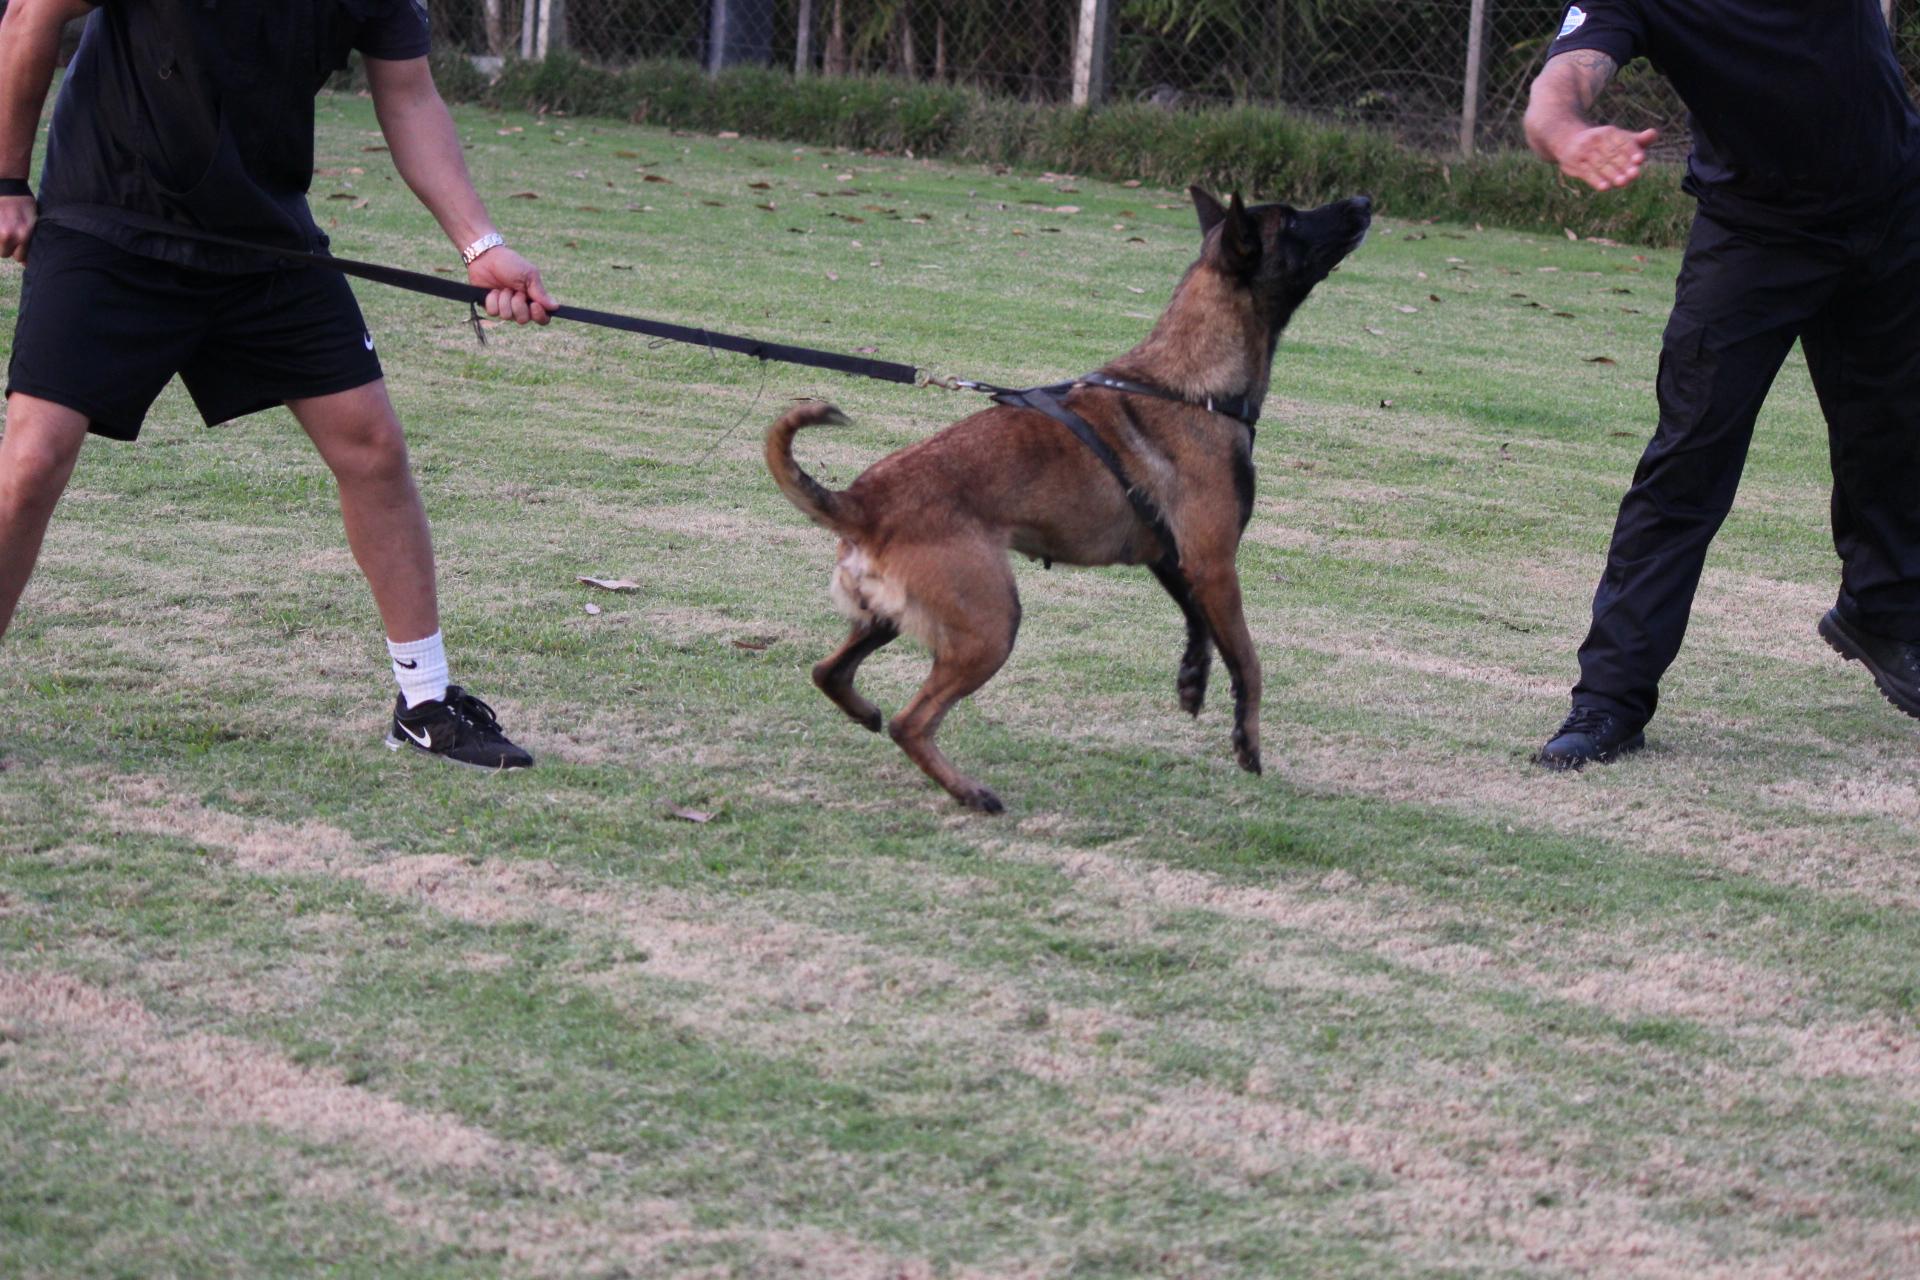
<point>513,284</point>
<point>17,216</point>
<point>1605,157</point>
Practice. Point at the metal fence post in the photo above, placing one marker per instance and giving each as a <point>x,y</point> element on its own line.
<point>1470,97</point>
<point>1091,42</point>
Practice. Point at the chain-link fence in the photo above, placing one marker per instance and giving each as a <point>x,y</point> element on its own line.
<point>1434,73</point>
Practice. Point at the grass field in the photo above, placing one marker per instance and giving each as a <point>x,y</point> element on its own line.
<point>276,1002</point>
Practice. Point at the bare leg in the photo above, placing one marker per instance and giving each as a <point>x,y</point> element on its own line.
<point>834,675</point>
<point>37,454</point>
<point>359,437</point>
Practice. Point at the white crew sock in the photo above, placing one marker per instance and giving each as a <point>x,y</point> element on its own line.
<point>421,668</point>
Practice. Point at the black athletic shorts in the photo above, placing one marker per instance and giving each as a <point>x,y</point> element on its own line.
<point>101,330</point>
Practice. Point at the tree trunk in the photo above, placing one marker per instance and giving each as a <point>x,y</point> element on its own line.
<point>907,68</point>
<point>1038,71</point>
<point>803,39</point>
<point>495,23</point>
<point>939,46</point>
<point>836,56</point>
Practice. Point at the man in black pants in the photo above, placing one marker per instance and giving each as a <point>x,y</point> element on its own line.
<point>198,115</point>
<point>1806,169</point>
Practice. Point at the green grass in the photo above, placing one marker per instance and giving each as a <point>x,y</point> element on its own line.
<point>1401,1007</point>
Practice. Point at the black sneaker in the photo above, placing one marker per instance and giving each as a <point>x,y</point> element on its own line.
<point>1589,734</point>
<point>459,727</point>
<point>1893,664</point>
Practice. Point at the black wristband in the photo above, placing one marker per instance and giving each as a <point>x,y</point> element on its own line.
<point>15,187</point>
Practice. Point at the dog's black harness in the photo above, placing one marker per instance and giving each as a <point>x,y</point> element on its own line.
<point>1052,401</point>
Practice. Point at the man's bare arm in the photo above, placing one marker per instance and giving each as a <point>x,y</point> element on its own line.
<point>426,150</point>
<point>1560,128</point>
<point>29,50</point>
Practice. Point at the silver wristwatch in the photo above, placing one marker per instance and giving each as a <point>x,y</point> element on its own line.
<point>491,240</point>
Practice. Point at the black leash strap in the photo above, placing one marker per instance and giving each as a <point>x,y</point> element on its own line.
<point>473,295</point>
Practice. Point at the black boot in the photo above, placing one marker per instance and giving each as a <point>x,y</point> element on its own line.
<point>1590,734</point>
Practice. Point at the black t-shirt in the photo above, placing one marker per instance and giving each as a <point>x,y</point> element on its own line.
<point>200,112</point>
<point>1800,111</point>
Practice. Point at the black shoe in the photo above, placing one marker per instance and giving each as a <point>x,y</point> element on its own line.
<point>1589,734</point>
<point>1893,664</point>
<point>459,727</point>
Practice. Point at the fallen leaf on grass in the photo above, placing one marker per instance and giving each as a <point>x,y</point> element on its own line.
<point>654,177</point>
<point>1066,208</point>
<point>611,584</point>
<point>524,195</point>
<point>690,815</point>
<point>626,155</point>
<point>514,129</point>
<point>867,351</point>
<point>593,610</point>
<point>1601,360</point>
<point>760,186</point>
<point>1386,404</point>
<point>755,644</point>
<point>620,266</point>
<point>1406,310</point>
<point>373,148</point>
<point>1378,333</point>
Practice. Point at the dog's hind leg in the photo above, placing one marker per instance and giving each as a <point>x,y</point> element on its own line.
<point>1198,659</point>
<point>974,624</point>
<point>833,675</point>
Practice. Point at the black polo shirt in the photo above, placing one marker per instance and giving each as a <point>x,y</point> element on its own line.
<point>1800,112</point>
<point>200,112</point>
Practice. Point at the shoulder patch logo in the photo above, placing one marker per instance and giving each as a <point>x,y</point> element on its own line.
<point>1576,18</point>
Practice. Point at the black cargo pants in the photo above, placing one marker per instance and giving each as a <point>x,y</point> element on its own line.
<point>1851,294</point>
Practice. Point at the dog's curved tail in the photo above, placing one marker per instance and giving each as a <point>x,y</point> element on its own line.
<point>818,503</point>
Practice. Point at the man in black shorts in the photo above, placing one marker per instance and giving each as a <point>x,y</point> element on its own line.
<point>199,115</point>
<point>1806,169</point>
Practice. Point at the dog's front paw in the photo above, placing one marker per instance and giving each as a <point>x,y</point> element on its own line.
<point>1192,687</point>
<point>981,800</point>
<point>1248,754</point>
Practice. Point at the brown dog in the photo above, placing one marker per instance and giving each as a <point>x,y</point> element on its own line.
<point>1161,475</point>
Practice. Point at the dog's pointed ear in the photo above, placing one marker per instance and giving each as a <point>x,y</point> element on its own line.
<point>1210,210</point>
<point>1240,239</point>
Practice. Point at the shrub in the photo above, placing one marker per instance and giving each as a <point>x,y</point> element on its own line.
<point>1263,152</point>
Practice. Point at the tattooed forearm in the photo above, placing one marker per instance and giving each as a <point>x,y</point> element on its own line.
<point>1588,71</point>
